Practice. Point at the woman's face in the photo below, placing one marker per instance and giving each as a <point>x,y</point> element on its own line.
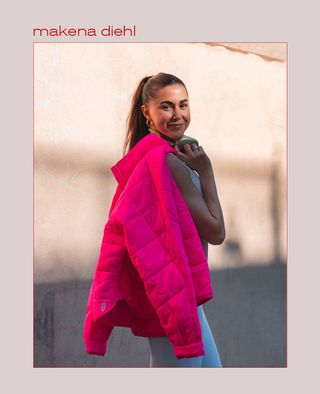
<point>169,111</point>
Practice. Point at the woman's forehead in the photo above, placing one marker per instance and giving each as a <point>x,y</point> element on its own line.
<point>174,92</point>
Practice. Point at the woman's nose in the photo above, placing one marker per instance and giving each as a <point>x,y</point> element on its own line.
<point>176,114</point>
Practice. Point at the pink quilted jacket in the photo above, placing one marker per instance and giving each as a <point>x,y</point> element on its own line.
<point>152,271</point>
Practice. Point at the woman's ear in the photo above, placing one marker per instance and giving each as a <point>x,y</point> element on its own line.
<point>145,110</point>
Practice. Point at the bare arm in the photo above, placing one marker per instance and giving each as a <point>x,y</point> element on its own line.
<point>205,210</point>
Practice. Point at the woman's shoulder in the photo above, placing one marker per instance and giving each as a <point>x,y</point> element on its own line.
<point>176,165</point>
<point>182,174</point>
<point>179,165</point>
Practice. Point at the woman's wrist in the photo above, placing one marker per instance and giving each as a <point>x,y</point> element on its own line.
<point>206,173</point>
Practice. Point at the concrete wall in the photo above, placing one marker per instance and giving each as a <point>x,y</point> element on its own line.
<point>247,317</point>
<point>81,100</point>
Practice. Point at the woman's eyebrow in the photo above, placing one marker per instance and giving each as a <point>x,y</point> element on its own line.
<point>170,102</point>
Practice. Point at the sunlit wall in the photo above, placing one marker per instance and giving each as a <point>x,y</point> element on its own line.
<point>81,101</point>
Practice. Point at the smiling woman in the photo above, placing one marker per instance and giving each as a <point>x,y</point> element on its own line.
<point>160,103</point>
<point>153,273</point>
<point>169,111</point>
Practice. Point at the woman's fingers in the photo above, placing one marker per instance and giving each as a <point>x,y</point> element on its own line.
<point>197,159</point>
<point>192,148</point>
<point>188,148</point>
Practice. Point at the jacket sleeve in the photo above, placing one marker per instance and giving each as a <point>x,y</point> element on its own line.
<point>166,279</point>
<point>95,333</point>
<point>95,336</point>
<point>104,290</point>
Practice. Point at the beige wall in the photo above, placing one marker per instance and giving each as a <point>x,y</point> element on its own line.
<point>268,50</point>
<point>81,100</point>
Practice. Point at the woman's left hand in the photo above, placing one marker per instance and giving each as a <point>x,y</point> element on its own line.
<point>196,158</point>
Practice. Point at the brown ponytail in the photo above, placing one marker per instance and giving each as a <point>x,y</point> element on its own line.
<point>136,122</point>
<point>146,90</point>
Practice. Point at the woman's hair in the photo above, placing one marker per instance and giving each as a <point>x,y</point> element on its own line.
<point>147,89</point>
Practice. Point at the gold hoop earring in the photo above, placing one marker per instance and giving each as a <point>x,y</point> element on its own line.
<point>148,123</point>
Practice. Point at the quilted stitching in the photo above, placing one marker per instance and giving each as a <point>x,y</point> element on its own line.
<point>150,242</point>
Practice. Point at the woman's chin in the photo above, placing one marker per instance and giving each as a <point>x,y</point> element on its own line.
<point>175,134</point>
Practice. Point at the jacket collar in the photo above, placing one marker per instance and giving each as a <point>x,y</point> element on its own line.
<point>123,169</point>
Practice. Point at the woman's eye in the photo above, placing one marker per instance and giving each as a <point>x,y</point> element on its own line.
<point>165,107</point>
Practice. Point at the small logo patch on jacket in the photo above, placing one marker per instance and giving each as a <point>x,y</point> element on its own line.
<point>103,306</point>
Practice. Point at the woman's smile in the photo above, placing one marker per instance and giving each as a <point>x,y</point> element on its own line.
<point>175,125</point>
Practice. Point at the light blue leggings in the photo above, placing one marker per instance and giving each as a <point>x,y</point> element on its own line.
<point>162,354</point>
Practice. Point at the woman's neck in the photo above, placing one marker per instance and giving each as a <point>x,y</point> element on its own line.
<point>162,135</point>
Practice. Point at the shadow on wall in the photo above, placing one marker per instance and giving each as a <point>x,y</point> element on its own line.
<point>73,192</point>
<point>247,316</point>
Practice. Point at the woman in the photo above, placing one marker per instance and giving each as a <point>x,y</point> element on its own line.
<point>165,106</point>
<point>152,273</point>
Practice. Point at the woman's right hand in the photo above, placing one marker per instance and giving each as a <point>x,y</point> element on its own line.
<point>196,158</point>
